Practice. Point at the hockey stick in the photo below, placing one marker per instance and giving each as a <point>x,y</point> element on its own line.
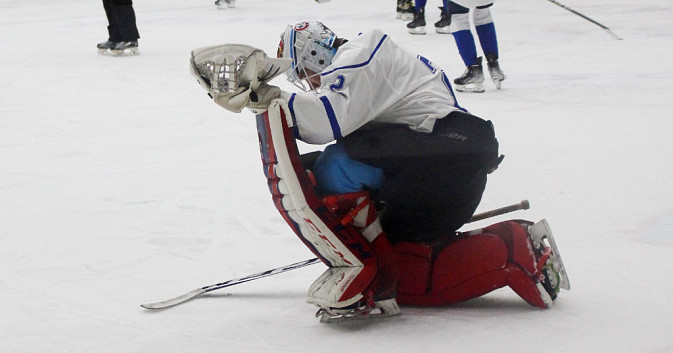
<point>232,282</point>
<point>612,34</point>
<point>523,205</point>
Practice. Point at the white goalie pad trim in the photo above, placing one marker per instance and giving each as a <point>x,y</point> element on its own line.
<point>311,225</point>
<point>326,291</point>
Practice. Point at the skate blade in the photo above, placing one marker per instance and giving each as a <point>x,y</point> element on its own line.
<point>546,299</point>
<point>471,87</point>
<point>443,30</point>
<point>417,30</point>
<point>542,227</point>
<point>125,52</point>
<point>384,308</point>
<point>406,16</point>
<point>498,83</point>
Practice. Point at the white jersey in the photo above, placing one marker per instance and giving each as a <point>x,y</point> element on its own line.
<point>371,79</point>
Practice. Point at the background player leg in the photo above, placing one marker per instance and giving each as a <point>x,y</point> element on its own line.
<point>483,22</point>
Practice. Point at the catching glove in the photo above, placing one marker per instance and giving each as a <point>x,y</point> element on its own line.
<point>235,75</point>
<point>257,101</point>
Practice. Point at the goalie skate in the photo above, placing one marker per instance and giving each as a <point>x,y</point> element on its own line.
<point>556,277</point>
<point>381,308</point>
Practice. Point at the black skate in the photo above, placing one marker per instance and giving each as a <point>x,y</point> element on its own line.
<point>105,46</point>
<point>124,48</point>
<point>472,79</point>
<point>417,26</point>
<point>442,26</point>
<point>405,10</point>
<point>494,70</point>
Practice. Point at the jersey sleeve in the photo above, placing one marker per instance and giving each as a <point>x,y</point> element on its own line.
<point>328,116</point>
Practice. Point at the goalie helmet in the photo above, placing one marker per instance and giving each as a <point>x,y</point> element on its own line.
<point>310,46</point>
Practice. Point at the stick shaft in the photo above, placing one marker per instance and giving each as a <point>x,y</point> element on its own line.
<point>523,205</point>
<point>612,34</point>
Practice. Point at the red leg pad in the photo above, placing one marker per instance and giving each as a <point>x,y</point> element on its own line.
<point>465,269</point>
<point>525,287</point>
<point>518,244</point>
<point>497,256</point>
<point>415,268</point>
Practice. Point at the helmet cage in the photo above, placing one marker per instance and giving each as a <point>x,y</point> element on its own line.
<point>309,45</point>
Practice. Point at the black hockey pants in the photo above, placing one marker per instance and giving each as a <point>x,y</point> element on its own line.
<point>433,182</point>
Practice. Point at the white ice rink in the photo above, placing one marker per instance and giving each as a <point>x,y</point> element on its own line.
<point>121,183</point>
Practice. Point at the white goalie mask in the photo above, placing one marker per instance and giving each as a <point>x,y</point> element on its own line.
<point>309,45</point>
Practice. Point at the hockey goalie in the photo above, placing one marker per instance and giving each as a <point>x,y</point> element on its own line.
<point>405,167</point>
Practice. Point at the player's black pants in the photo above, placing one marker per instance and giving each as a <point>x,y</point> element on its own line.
<point>433,182</point>
<point>122,20</point>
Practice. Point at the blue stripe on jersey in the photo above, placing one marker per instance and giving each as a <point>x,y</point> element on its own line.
<point>290,105</point>
<point>361,64</point>
<point>447,83</point>
<point>336,130</point>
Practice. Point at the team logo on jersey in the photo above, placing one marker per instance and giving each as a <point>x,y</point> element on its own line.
<point>338,84</point>
<point>301,26</point>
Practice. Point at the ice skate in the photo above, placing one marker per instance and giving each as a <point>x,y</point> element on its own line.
<point>442,26</point>
<point>224,4</point>
<point>472,79</point>
<point>104,46</point>
<point>378,299</point>
<point>417,26</point>
<point>124,49</point>
<point>405,10</point>
<point>494,70</point>
<point>550,264</point>
<point>381,308</point>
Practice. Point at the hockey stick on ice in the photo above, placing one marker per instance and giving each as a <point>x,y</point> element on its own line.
<point>523,205</point>
<point>612,34</point>
<point>232,282</point>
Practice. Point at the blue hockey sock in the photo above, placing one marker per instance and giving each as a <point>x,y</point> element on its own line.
<point>419,4</point>
<point>488,39</point>
<point>466,46</point>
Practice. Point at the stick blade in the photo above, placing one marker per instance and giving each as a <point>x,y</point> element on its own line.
<point>174,301</point>
<point>612,34</point>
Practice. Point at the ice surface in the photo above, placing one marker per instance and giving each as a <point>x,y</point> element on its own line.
<point>121,183</point>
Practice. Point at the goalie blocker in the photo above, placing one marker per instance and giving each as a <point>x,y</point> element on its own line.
<point>343,231</point>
